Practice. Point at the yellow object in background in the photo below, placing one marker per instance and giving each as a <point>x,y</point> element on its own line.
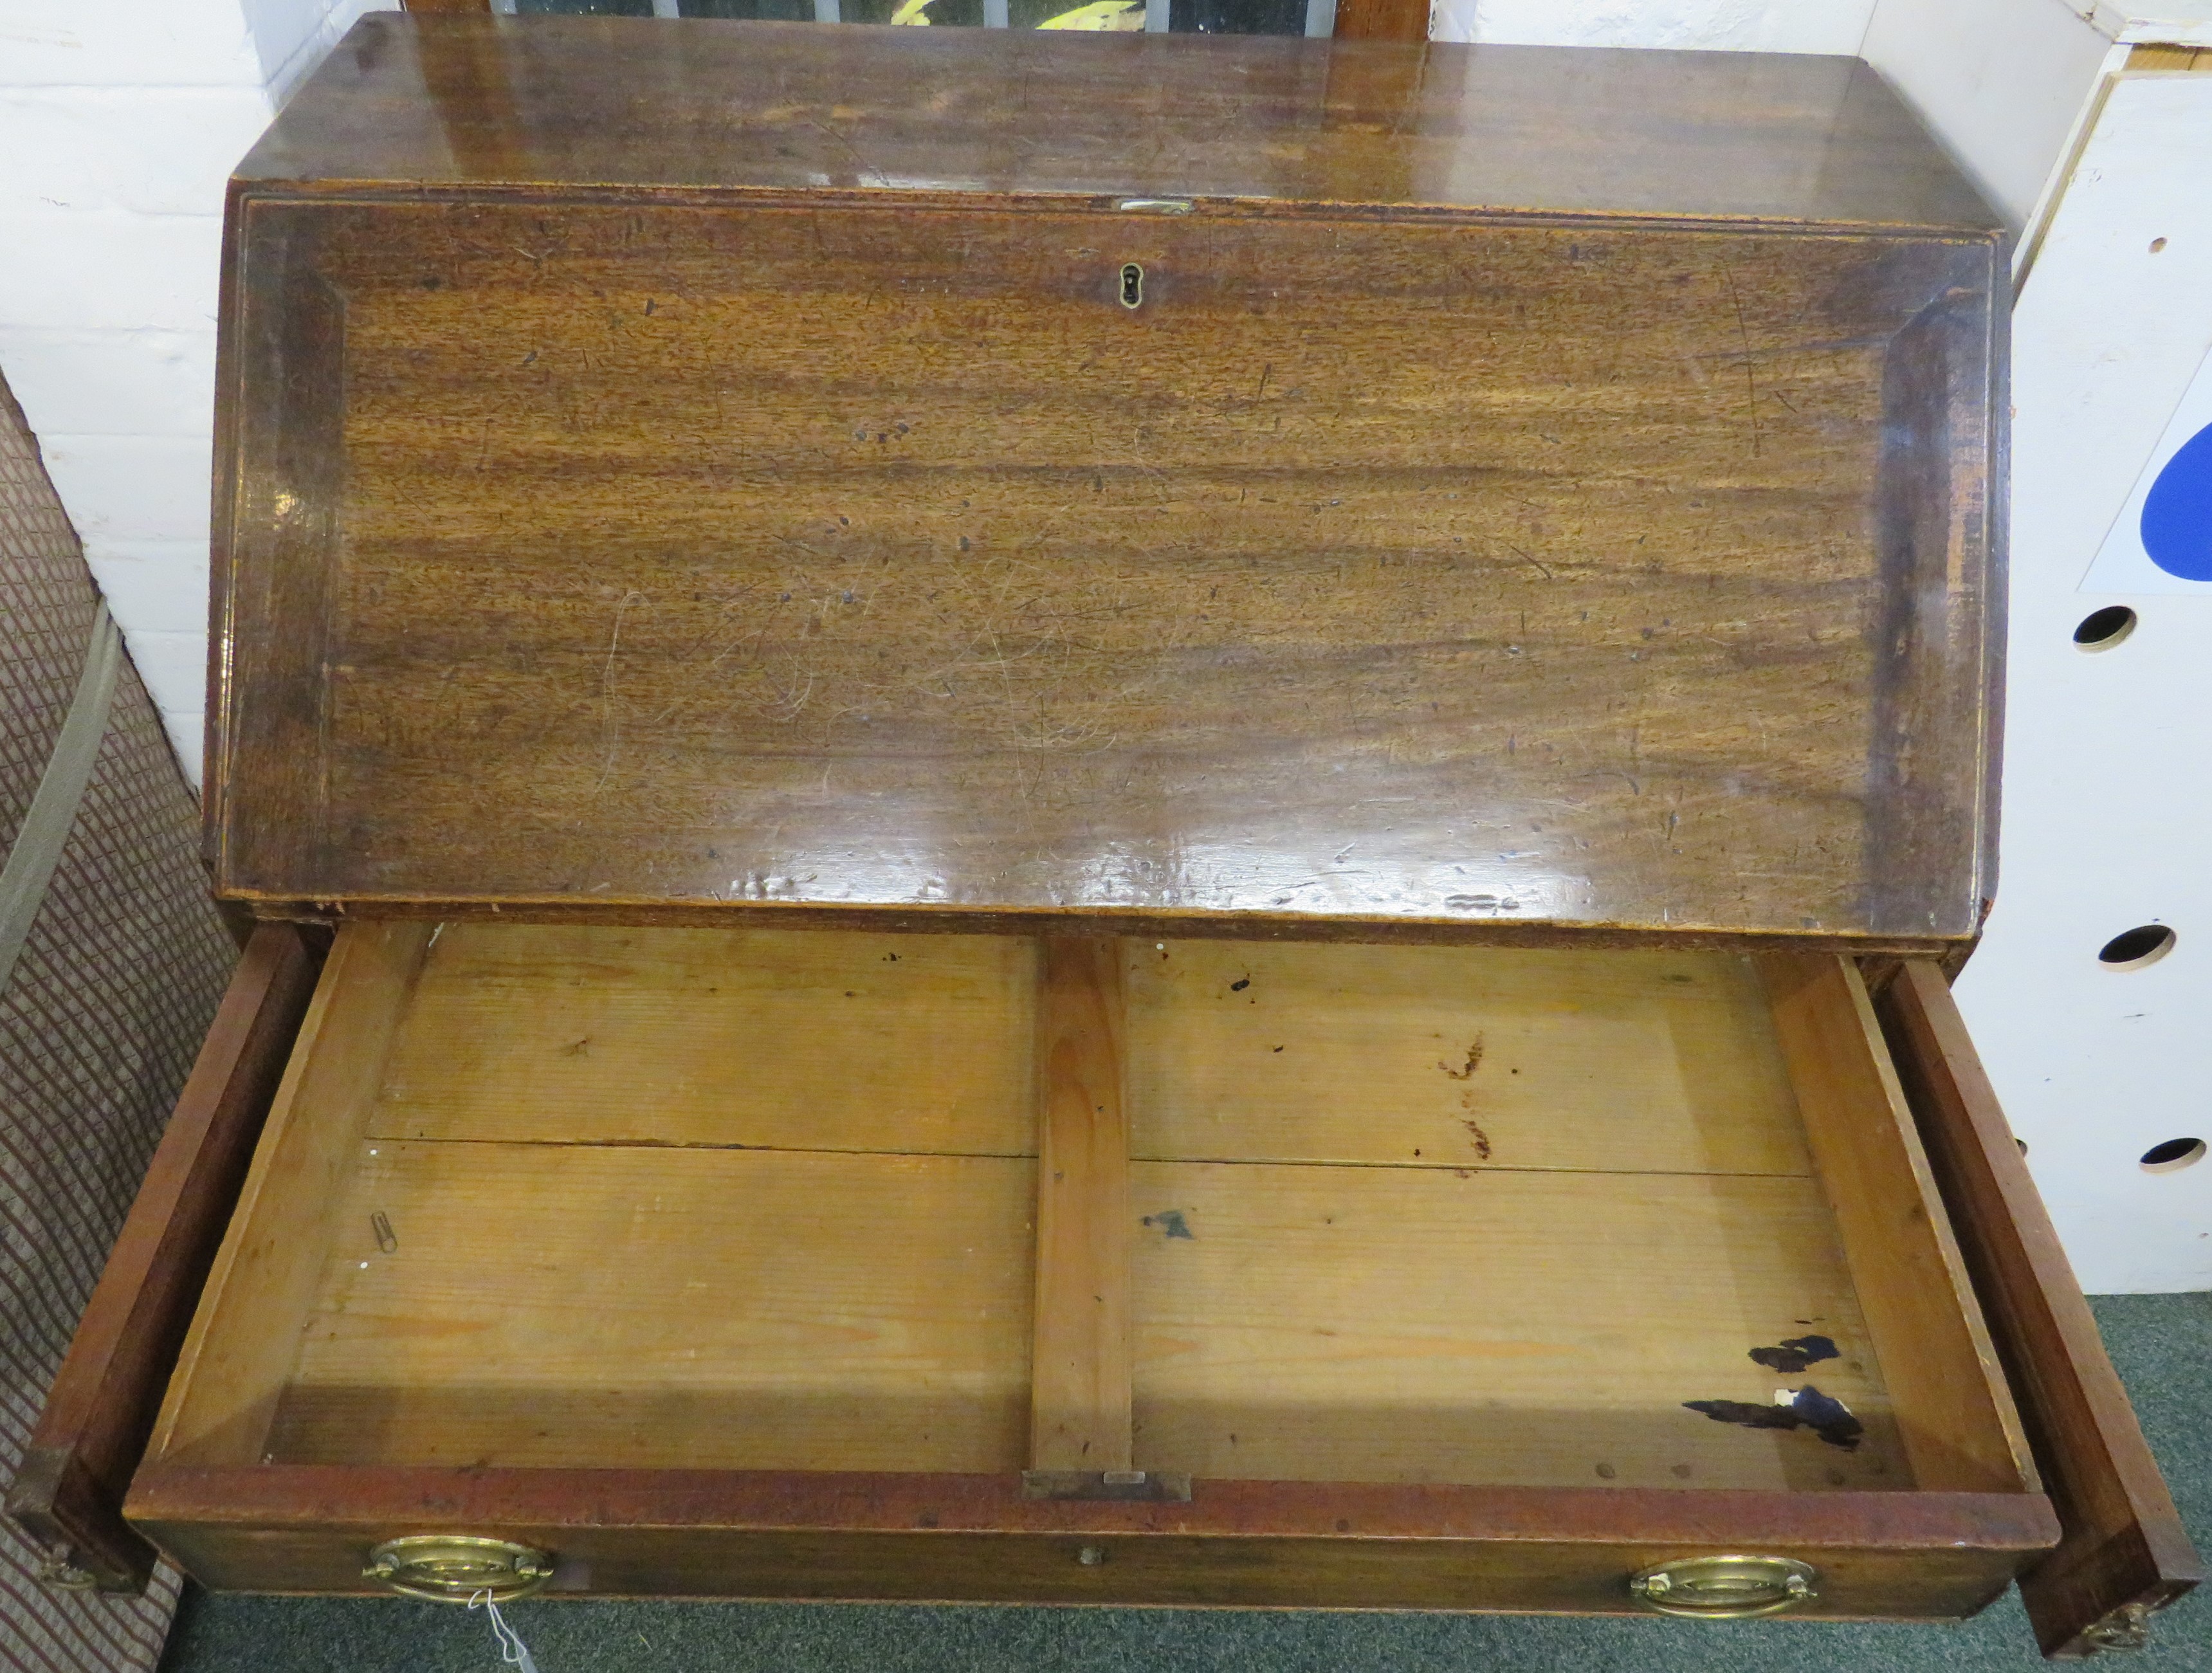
<point>1100,14</point>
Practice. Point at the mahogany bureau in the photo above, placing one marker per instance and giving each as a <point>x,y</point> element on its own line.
<point>1104,819</point>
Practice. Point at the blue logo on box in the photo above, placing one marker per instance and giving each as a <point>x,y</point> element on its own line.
<point>2177,513</point>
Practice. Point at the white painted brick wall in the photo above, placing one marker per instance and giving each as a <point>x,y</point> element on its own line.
<point>119,123</point>
<point>1749,26</point>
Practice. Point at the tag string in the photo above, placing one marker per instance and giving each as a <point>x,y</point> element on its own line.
<point>511,1652</point>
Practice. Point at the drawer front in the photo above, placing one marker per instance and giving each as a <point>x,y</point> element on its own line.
<point>741,1533</point>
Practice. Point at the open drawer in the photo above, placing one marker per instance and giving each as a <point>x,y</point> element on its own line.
<point>736,1263</point>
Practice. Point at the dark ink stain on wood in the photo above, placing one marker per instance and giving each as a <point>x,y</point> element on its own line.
<point>1794,1353</point>
<point>1279,1048</point>
<point>1170,1221</point>
<point>1240,985</point>
<point>1809,1408</point>
<point>1828,1418</point>
<point>1748,1413</point>
<point>1480,1138</point>
<point>1474,1062</point>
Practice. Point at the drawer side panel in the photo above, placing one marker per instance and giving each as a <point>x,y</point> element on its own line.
<point>68,1492</point>
<point>2125,1553</point>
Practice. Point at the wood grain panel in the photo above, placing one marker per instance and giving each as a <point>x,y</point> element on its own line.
<point>239,1353</point>
<point>1382,20</point>
<point>1959,1425</point>
<point>551,1305</point>
<point>1235,122</point>
<point>1457,1057</point>
<point>1363,1323</point>
<point>1471,593</point>
<point>1079,1367</point>
<point>67,1494</point>
<point>1283,1544</point>
<point>808,1040</point>
<point>2125,1553</point>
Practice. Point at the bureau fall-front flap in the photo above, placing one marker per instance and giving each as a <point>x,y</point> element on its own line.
<point>1397,536</point>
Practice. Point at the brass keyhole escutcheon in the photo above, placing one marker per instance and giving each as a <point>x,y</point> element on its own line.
<point>1725,1588</point>
<point>1133,286</point>
<point>453,1568</point>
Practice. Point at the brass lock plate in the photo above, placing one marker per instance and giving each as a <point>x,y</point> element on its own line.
<point>1729,1588</point>
<point>453,1568</point>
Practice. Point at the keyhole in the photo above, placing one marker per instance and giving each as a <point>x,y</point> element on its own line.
<point>1133,286</point>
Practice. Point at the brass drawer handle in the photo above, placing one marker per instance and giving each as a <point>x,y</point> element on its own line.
<point>1725,1588</point>
<point>453,1568</point>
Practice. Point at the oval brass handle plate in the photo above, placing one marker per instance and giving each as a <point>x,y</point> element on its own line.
<point>1725,1588</point>
<point>452,1568</point>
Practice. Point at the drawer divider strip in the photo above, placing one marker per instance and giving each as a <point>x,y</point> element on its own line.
<point>1079,1415</point>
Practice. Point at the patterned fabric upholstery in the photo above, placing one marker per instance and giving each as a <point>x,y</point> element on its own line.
<point>98,1026</point>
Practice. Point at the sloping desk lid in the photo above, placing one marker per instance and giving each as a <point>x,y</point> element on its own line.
<point>1484,491</point>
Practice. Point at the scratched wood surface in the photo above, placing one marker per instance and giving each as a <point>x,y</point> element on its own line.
<point>1457,1057</point>
<point>1427,574</point>
<point>625,1306</point>
<point>1412,1324</point>
<point>792,1039</point>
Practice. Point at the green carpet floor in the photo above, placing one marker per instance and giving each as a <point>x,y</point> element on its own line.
<point>2163,1345</point>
